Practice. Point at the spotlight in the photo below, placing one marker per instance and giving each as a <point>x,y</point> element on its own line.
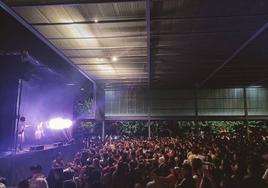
<point>114,59</point>
<point>96,21</point>
<point>59,123</point>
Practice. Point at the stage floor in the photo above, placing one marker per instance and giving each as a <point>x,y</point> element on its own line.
<point>26,149</point>
<point>15,166</point>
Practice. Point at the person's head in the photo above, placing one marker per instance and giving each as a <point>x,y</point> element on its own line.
<point>59,156</point>
<point>2,185</point>
<point>195,151</point>
<point>186,170</point>
<point>68,174</point>
<point>38,183</point>
<point>3,180</point>
<point>141,166</point>
<point>96,162</point>
<point>175,171</point>
<point>23,184</point>
<point>124,156</point>
<point>105,156</point>
<point>132,165</point>
<point>36,169</point>
<point>161,160</point>
<point>77,161</point>
<point>69,184</point>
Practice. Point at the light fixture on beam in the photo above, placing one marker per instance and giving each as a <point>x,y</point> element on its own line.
<point>96,20</point>
<point>114,58</point>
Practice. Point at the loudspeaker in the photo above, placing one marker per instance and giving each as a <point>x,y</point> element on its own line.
<point>37,148</point>
<point>58,144</point>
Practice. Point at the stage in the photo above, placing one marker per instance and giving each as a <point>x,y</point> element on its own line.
<point>15,167</point>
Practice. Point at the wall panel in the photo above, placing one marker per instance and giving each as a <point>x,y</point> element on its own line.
<point>257,100</point>
<point>173,103</point>
<point>226,102</point>
<point>210,102</point>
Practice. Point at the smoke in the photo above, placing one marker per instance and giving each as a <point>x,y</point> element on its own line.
<point>43,100</point>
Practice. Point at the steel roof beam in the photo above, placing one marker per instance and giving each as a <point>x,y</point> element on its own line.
<point>235,53</point>
<point>166,34</point>
<point>142,19</point>
<point>193,18</point>
<point>143,63</point>
<point>106,48</point>
<point>65,2</point>
<point>112,117</point>
<point>44,40</point>
<point>126,20</point>
<point>108,57</point>
<point>125,47</point>
<point>100,37</point>
<point>259,82</point>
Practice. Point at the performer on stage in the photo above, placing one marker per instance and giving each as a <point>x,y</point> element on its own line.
<point>39,132</point>
<point>21,134</point>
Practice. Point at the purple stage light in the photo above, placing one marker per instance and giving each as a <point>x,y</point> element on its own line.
<point>59,123</point>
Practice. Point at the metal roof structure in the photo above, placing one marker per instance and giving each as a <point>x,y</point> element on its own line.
<point>157,43</point>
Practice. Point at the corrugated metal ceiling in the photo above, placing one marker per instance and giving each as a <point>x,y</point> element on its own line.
<point>119,34</point>
<point>190,39</point>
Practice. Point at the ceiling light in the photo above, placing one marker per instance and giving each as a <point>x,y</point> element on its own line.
<point>96,21</point>
<point>114,59</point>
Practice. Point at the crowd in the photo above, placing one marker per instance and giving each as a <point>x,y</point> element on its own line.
<point>179,162</point>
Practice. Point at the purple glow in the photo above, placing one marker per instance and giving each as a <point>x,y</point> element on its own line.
<point>59,123</point>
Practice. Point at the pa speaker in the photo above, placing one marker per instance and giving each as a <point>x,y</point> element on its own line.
<point>37,148</point>
<point>58,144</point>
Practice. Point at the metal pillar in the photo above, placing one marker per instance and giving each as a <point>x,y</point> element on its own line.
<point>103,131</point>
<point>196,106</point>
<point>16,130</point>
<point>148,31</point>
<point>149,129</point>
<point>246,110</point>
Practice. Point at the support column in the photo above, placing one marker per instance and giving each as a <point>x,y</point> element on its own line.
<point>246,111</point>
<point>149,128</point>
<point>196,106</point>
<point>148,32</point>
<point>18,104</point>
<point>103,131</point>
